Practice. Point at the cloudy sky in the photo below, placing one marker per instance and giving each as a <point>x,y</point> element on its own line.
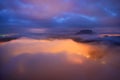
<point>59,13</point>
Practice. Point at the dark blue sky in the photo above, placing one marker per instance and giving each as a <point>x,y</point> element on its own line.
<point>60,13</point>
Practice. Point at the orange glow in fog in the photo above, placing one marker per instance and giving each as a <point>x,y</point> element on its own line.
<point>67,46</point>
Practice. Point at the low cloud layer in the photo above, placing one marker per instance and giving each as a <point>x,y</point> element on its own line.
<point>28,59</point>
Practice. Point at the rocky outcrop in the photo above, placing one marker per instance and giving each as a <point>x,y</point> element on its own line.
<point>86,31</point>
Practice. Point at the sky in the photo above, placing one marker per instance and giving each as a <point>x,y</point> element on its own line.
<point>60,13</point>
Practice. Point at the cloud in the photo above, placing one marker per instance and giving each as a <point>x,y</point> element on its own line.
<point>44,64</point>
<point>50,13</point>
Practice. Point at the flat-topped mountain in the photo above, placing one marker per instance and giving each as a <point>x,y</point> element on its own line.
<point>86,31</point>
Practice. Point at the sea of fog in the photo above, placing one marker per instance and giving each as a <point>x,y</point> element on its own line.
<point>58,59</point>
